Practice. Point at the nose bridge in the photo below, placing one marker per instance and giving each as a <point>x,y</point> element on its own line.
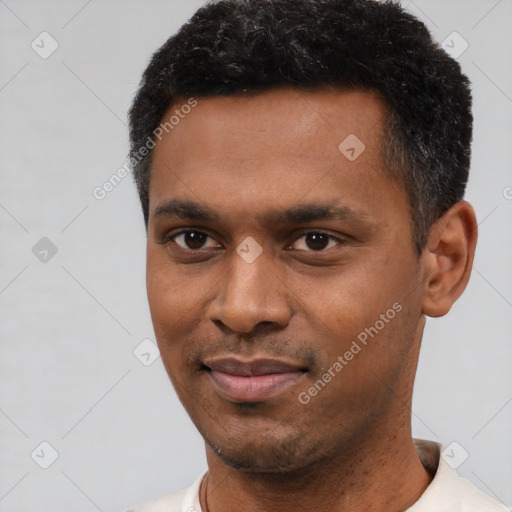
<point>250,293</point>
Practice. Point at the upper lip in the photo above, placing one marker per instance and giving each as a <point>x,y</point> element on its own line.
<point>252,367</point>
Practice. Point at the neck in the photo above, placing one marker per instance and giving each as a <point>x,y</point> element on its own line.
<point>390,478</point>
<point>379,470</point>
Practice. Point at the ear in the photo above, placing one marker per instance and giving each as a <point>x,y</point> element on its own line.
<point>448,258</point>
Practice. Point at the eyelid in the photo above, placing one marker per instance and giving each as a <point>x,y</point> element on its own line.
<point>170,236</point>
<point>309,231</point>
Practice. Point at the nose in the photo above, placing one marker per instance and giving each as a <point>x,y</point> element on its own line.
<point>250,294</point>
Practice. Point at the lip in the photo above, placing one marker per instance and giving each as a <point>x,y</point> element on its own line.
<point>254,380</point>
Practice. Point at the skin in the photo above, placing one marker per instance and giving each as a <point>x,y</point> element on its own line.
<point>246,159</point>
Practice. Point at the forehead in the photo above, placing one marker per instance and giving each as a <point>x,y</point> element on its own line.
<point>280,147</point>
<point>300,119</point>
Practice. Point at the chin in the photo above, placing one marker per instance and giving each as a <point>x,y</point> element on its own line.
<point>266,453</point>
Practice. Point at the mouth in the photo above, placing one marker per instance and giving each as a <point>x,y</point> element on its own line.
<point>253,380</point>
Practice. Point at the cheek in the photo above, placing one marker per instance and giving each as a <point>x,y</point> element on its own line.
<point>178,299</point>
<point>172,295</point>
<point>363,324</point>
<point>170,305</point>
<point>341,303</point>
<point>362,377</point>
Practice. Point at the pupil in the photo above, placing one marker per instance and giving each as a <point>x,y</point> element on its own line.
<point>317,241</point>
<point>194,239</point>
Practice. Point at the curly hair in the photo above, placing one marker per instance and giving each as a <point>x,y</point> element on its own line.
<point>232,47</point>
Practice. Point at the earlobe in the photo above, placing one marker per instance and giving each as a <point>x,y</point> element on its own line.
<point>448,258</point>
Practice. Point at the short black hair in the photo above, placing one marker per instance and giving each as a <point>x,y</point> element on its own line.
<point>232,47</point>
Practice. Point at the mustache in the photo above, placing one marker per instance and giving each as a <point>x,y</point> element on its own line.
<point>271,347</point>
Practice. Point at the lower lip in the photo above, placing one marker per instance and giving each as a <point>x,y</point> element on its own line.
<point>255,388</point>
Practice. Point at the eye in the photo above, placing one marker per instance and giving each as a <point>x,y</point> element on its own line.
<point>193,240</point>
<point>315,241</point>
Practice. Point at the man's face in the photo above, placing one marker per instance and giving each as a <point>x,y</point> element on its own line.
<point>247,326</point>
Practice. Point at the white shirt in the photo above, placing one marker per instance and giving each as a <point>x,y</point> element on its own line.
<point>446,493</point>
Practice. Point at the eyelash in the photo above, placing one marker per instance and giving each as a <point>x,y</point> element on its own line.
<point>171,238</point>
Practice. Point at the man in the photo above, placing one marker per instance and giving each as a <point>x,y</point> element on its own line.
<point>301,166</point>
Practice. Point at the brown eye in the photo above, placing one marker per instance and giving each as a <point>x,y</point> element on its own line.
<point>315,241</point>
<point>193,240</point>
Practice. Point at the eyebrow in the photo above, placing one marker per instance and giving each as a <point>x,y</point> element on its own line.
<point>185,209</point>
<point>303,213</point>
<point>311,212</point>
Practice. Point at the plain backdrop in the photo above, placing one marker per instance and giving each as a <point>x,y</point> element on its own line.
<point>74,375</point>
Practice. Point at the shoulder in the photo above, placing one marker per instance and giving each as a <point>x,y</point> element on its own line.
<point>448,492</point>
<point>474,500</point>
<point>184,500</point>
<point>168,503</point>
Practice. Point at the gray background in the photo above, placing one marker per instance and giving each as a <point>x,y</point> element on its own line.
<point>71,321</point>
